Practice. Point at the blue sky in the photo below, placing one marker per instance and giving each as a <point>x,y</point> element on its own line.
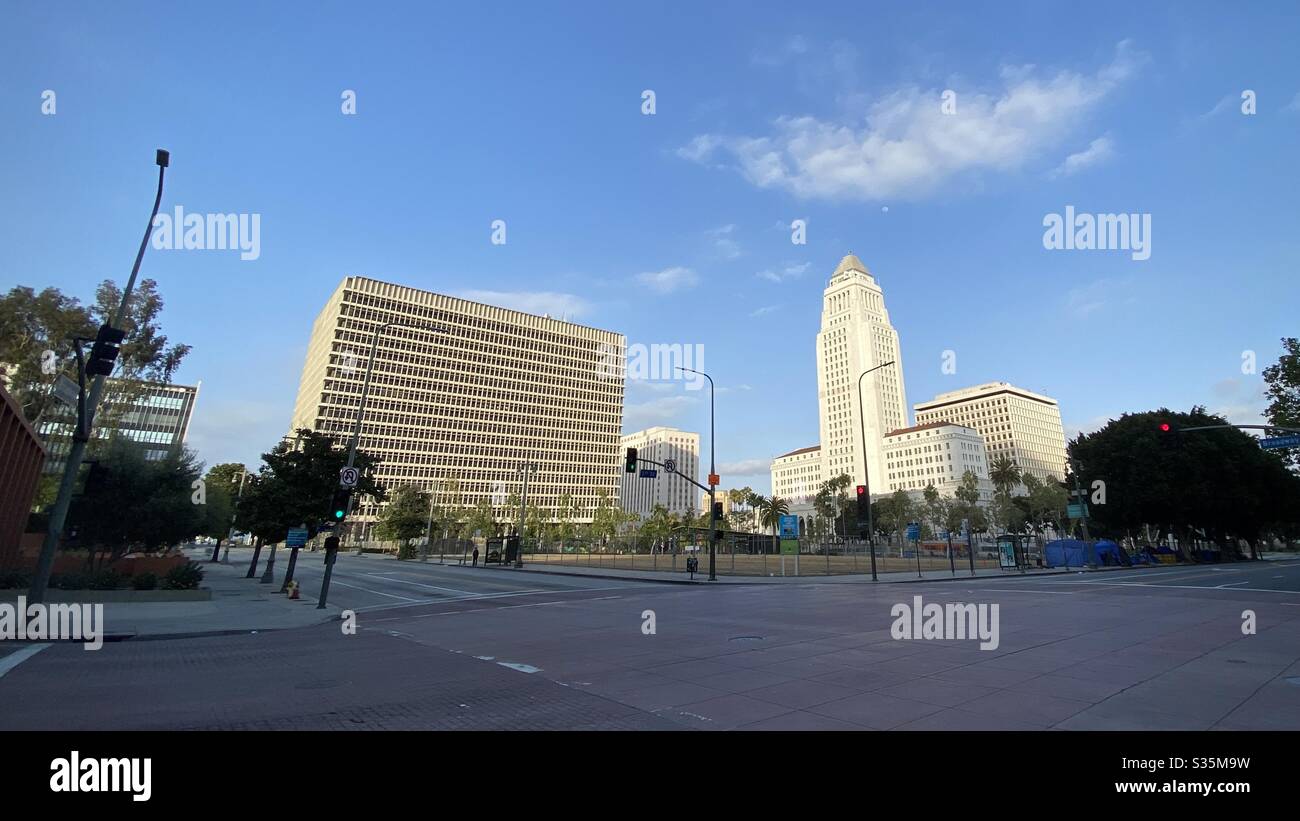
<point>764,113</point>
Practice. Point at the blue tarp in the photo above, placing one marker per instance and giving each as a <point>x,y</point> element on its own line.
<point>1077,553</point>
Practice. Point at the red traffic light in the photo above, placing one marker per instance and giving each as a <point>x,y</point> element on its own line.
<point>862,490</point>
<point>1164,426</point>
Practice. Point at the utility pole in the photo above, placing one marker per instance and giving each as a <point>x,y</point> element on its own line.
<point>428,529</point>
<point>866,471</point>
<point>713,477</point>
<point>59,514</point>
<point>526,469</point>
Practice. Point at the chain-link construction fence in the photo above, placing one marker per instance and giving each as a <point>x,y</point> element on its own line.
<point>737,554</point>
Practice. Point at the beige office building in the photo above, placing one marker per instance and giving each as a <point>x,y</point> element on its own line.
<point>1014,422</point>
<point>670,490</point>
<point>484,391</point>
<point>939,454</point>
<point>798,475</point>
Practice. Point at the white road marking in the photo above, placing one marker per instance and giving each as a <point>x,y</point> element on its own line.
<point>1229,584</point>
<point>523,668</point>
<point>16,658</point>
<point>368,590</point>
<point>419,584</point>
<point>1196,587</point>
<point>476,596</point>
<point>1033,592</point>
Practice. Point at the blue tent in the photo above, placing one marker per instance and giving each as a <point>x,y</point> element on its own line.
<point>1077,553</point>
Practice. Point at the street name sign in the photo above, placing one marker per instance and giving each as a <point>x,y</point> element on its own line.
<point>649,473</point>
<point>1275,442</point>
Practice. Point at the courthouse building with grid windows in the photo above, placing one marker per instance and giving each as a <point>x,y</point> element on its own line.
<point>1022,425</point>
<point>470,393</point>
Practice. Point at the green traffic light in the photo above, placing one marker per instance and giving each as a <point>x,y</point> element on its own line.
<point>338,514</point>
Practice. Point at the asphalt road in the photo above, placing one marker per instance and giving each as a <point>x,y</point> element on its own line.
<point>367,583</point>
<point>491,649</point>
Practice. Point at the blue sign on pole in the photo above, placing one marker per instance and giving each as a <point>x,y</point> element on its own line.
<point>789,527</point>
<point>649,473</point>
<point>297,537</point>
<point>913,531</point>
<point>1275,442</point>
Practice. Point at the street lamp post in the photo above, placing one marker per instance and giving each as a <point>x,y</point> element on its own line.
<point>866,472</point>
<point>365,395</point>
<point>713,471</point>
<point>59,513</point>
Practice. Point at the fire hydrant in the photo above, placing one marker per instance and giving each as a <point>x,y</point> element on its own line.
<point>293,590</point>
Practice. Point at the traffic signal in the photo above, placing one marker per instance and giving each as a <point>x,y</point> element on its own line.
<point>103,354</point>
<point>864,510</point>
<point>1170,437</point>
<point>339,505</point>
<point>630,466</point>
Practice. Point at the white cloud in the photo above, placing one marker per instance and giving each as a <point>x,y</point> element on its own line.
<point>908,147</point>
<point>783,53</point>
<point>1100,294</point>
<point>788,272</point>
<point>1219,107</point>
<point>1294,105</point>
<point>723,243</point>
<point>661,411</point>
<point>746,467</point>
<point>669,279</point>
<point>1098,151</point>
<point>764,311</point>
<point>559,306</point>
<point>1072,430</point>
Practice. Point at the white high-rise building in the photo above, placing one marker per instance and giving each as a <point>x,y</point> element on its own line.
<point>939,454</point>
<point>640,496</point>
<point>855,337</point>
<point>1014,422</point>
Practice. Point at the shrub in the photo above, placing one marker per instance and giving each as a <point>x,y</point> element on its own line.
<point>106,580</point>
<point>14,580</point>
<point>406,551</point>
<point>144,581</point>
<point>69,581</point>
<point>185,577</point>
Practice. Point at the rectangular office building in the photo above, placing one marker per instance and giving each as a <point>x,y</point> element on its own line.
<point>463,394</point>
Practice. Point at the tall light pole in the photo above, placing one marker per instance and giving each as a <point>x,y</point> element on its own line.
<point>866,472</point>
<point>365,390</point>
<point>713,473</point>
<point>59,514</point>
<point>527,469</point>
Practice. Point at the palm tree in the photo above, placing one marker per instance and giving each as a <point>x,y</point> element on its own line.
<point>1005,474</point>
<point>770,512</point>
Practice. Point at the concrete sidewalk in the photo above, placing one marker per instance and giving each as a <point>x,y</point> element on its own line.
<point>238,605</point>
